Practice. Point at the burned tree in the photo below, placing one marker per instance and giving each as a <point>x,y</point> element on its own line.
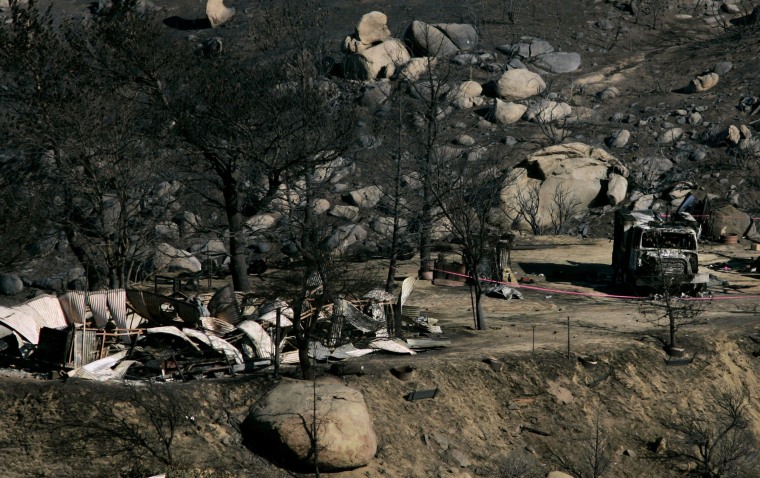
<point>719,439</point>
<point>83,137</point>
<point>468,193</point>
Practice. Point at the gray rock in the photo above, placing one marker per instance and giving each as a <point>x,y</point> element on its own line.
<point>619,138</point>
<point>375,94</point>
<point>723,67</point>
<point>516,64</point>
<point>170,259</point>
<point>670,135</point>
<point>464,140</point>
<point>605,24</point>
<point>276,425</point>
<point>365,197</point>
<point>10,284</point>
<point>350,213</point>
<point>608,93</point>
<point>463,35</point>
<point>60,281</point>
<point>558,62</point>
<point>460,458</point>
<point>426,40</point>
<point>346,236</point>
<point>526,49</point>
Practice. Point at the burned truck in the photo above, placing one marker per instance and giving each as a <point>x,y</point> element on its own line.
<point>650,253</point>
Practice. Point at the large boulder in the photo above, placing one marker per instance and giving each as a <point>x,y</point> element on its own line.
<point>379,61</point>
<point>702,83</point>
<point>427,40</point>
<point>574,173</point>
<point>372,28</point>
<point>463,35</point>
<point>170,259</point>
<point>279,425</point>
<point>10,284</point>
<point>519,84</point>
<point>727,219</point>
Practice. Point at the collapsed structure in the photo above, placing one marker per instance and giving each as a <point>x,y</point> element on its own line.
<point>117,334</point>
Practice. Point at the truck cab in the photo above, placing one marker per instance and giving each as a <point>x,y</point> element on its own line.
<point>653,253</point>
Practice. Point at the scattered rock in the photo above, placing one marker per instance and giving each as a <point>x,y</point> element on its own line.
<point>670,135</point>
<point>506,113</point>
<point>528,48</point>
<point>722,67</point>
<point>10,284</point>
<point>619,138</point>
<point>365,197</point>
<point>217,13</point>
<point>608,93</point>
<point>558,62</point>
<point>170,259</point>
<point>350,213</point>
<point>703,83</point>
<point>519,84</point>
<point>415,68</point>
<point>660,445</point>
<point>375,93</point>
<point>547,111</point>
<point>460,458</point>
<point>558,474</point>
<point>464,140</point>
<point>733,135</point>
<point>605,24</point>
<point>617,188</point>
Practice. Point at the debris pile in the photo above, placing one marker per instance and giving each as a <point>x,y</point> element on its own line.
<point>138,334</point>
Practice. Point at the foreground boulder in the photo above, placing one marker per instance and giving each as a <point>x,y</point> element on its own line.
<point>376,62</point>
<point>279,424</point>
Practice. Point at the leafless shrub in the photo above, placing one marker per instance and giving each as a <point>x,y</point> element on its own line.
<point>527,208</point>
<point>563,207</point>
<point>143,424</point>
<point>520,465</point>
<point>670,308</point>
<point>719,440</point>
<point>592,456</point>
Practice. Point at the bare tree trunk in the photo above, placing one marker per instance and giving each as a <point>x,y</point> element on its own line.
<point>235,220</point>
<point>480,313</point>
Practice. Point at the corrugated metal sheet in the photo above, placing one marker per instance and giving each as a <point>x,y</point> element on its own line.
<point>74,306</point>
<point>260,338</point>
<point>216,326</point>
<point>216,343</point>
<point>171,330</point>
<point>104,305</point>
<point>223,305</point>
<point>162,310</point>
<point>27,319</point>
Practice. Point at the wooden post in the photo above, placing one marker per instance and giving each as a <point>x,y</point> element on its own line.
<point>568,338</point>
